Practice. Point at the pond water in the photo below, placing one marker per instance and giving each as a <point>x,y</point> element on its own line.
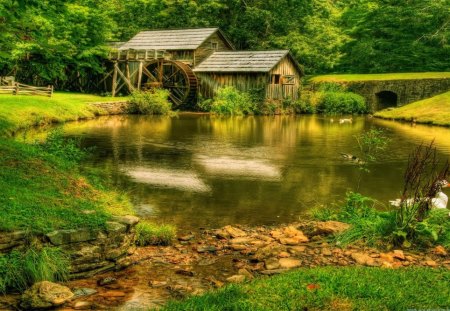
<point>198,171</point>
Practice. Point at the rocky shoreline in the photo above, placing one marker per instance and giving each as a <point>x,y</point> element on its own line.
<point>207,259</point>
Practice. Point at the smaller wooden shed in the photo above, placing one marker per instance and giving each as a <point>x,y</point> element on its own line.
<point>275,72</point>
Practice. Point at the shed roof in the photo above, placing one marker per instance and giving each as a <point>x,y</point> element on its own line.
<point>244,61</point>
<point>176,39</point>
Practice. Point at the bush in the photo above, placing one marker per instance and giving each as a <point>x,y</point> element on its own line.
<point>21,270</point>
<point>151,234</point>
<point>62,147</point>
<point>230,101</point>
<point>341,103</point>
<point>155,101</point>
<point>331,87</point>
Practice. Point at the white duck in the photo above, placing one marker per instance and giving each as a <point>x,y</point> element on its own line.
<point>440,201</point>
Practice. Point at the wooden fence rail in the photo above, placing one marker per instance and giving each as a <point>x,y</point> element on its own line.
<point>23,89</point>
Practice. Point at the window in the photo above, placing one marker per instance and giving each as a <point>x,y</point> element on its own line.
<point>289,79</point>
<point>214,45</point>
<point>276,79</point>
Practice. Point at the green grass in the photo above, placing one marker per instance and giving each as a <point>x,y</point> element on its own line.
<point>41,192</point>
<point>434,110</point>
<point>19,112</point>
<point>19,270</point>
<point>384,76</point>
<point>148,233</point>
<point>331,288</point>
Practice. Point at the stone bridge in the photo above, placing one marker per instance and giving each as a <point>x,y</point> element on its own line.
<point>381,94</point>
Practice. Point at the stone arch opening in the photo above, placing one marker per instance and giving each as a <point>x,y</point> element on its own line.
<point>386,99</point>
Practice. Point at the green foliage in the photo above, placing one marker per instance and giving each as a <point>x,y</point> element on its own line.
<point>152,234</point>
<point>62,147</point>
<point>332,102</point>
<point>155,101</point>
<point>230,101</point>
<point>344,288</point>
<point>20,270</point>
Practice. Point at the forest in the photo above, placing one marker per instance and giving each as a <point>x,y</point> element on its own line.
<point>54,41</point>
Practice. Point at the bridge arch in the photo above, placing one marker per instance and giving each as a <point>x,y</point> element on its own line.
<point>386,99</point>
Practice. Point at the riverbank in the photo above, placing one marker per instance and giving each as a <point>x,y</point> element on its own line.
<point>434,111</point>
<point>378,77</point>
<point>18,112</point>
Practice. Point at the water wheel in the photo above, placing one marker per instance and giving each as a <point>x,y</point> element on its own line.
<point>174,76</point>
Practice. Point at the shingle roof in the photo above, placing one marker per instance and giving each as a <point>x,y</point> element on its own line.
<point>177,39</point>
<point>245,61</point>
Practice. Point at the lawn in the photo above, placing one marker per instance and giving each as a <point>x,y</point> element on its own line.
<point>331,288</point>
<point>434,110</point>
<point>18,112</point>
<point>383,76</point>
<point>41,192</point>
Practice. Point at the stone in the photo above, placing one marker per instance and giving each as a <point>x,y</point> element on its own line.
<point>326,252</point>
<point>271,264</point>
<point>60,237</point>
<point>216,283</point>
<point>236,278</point>
<point>296,249</point>
<point>206,249</point>
<point>289,263</point>
<point>82,305</point>
<point>157,284</point>
<point>186,238</point>
<point>83,292</point>
<point>440,251</point>
<point>273,272</point>
<point>284,255</point>
<point>45,295</point>
<point>115,227</point>
<point>184,272</point>
<point>386,257</point>
<point>234,232</point>
<point>431,263</point>
<point>241,240</point>
<point>245,272</point>
<point>397,253</point>
<point>238,247</point>
<point>329,227</point>
<point>363,259</point>
<point>293,241</point>
<point>113,294</point>
<point>127,220</point>
<point>387,265</point>
<point>106,281</point>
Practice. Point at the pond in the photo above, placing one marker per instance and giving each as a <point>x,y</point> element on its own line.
<point>201,171</point>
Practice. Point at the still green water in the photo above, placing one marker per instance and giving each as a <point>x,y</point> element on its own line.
<point>203,171</point>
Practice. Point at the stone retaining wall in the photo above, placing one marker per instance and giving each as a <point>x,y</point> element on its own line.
<point>113,108</point>
<point>91,251</point>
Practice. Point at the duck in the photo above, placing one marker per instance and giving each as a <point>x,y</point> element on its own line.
<point>440,201</point>
<point>341,121</point>
<point>351,157</point>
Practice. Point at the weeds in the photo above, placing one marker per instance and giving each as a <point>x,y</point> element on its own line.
<point>230,101</point>
<point>155,101</point>
<point>68,149</point>
<point>20,270</point>
<point>151,234</point>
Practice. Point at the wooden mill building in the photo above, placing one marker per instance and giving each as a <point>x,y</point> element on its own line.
<point>192,61</point>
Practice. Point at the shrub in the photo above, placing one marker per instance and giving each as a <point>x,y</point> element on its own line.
<point>65,148</point>
<point>155,101</point>
<point>20,270</point>
<point>331,87</point>
<point>341,103</point>
<point>152,234</point>
<point>230,101</point>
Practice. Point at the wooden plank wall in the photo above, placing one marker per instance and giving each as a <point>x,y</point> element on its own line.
<point>281,91</point>
<point>205,49</point>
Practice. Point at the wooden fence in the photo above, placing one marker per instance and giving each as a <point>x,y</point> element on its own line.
<point>23,89</point>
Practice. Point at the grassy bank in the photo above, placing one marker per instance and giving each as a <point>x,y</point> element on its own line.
<point>384,76</point>
<point>18,112</point>
<point>434,110</point>
<point>328,288</point>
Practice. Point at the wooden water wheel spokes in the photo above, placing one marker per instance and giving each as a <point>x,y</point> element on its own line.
<point>174,76</point>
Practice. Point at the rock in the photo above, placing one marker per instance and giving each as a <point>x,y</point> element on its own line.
<point>157,284</point>
<point>83,292</point>
<point>236,278</point>
<point>60,237</point>
<point>289,263</point>
<point>284,255</point>
<point>397,253</point>
<point>363,259</point>
<point>106,281</point>
<point>440,250</point>
<point>186,238</point>
<point>184,272</point>
<point>216,283</point>
<point>431,263</point>
<point>113,294</point>
<point>234,232</point>
<point>329,227</point>
<point>238,247</point>
<point>82,305</point>
<point>241,240</point>
<point>44,295</point>
<point>127,220</point>
<point>275,271</point>
<point>246,273</point>
<point>292,241</point>
<point>115,227</point>
<point>387,265</point>
<point>326,252</point>
<point>386,257</point>
<point>271,264</point>
<point>206,249</point>
<point>296,249</point>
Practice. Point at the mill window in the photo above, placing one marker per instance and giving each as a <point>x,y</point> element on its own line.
<point>214,45</point>
<point>289,79</point>
<point>276,79</point>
